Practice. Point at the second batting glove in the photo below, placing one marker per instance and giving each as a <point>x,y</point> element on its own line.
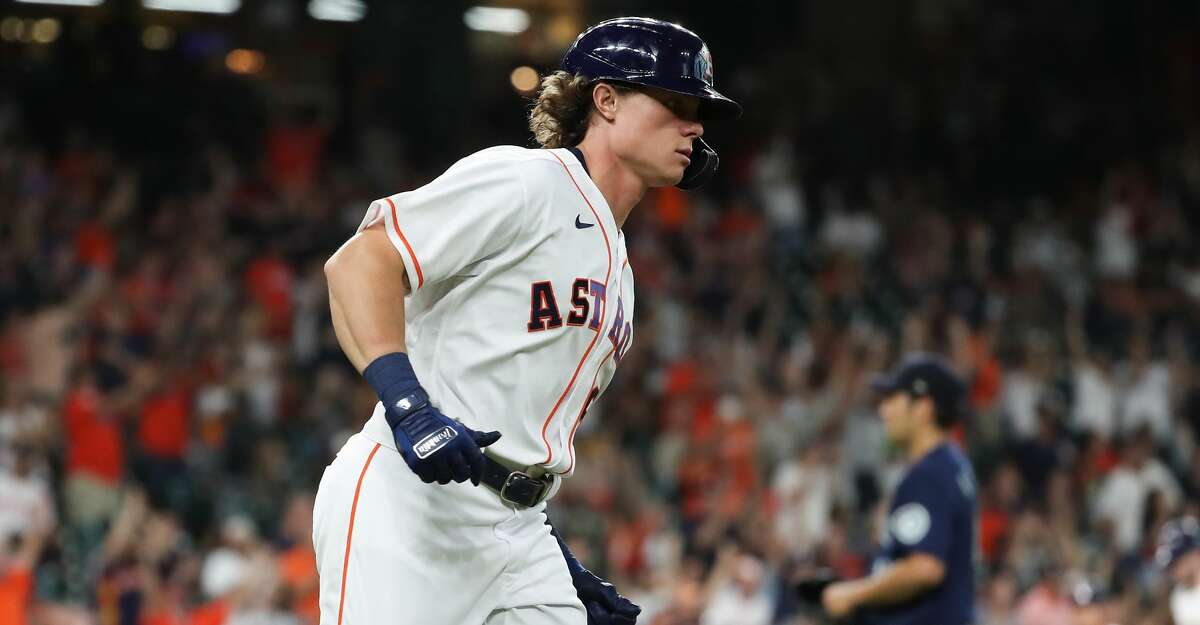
<point>604,605</point>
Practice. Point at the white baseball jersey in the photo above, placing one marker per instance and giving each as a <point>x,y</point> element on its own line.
<point>520,309</point>
<point>521,301</point>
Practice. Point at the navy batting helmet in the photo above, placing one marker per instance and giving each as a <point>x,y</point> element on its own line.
<point>651,52</point>
<point>1176,539</point>
<point>654,53</point>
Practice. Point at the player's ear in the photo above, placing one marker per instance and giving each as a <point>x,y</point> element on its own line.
<point>604,100</point>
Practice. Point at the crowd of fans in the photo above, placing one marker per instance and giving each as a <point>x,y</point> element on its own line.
<point>171,389</point>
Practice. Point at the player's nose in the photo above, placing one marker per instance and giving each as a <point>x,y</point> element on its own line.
<point>692,129</point>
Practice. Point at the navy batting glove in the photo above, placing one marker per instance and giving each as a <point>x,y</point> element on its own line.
<point>436,447</point>
<point>603,604</point>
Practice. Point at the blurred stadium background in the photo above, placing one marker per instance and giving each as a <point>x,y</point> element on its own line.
<point>1016,185</point>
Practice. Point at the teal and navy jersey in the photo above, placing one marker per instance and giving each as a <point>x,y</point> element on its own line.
<point>933,512</point>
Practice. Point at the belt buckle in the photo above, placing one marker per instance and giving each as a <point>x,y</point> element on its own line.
<point>508,481</point>
<point>515,476</point>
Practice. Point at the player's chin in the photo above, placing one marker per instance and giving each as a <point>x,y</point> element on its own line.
<point>668,177</point>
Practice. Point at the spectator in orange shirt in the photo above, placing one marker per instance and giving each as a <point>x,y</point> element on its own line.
<point>95,455</point>
<point>298,563</point>
<point>95,246</point>
<point>736,455</point>
<point>294,150</point>
<point>1000,501</point>
<point>164,428</point>
<point>17,561</point>
<point>269,281</point>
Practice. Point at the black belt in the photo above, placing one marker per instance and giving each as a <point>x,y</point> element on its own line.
<point>515,487</point>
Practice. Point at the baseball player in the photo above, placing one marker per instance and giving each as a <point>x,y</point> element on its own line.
<point>1178,553</point>
<point>488,310</point>
<point>925,574</point>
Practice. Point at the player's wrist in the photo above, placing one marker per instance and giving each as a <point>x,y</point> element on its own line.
<point>395,383</point>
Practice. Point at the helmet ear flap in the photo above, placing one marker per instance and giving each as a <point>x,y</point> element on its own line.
<point>703,166</point>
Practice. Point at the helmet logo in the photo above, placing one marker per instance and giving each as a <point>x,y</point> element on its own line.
<point>704,66</point>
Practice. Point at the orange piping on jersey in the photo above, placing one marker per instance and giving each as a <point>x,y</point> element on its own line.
<point>350,531</point>
<point>403,239</point>
<point>603,310</point>
<point>583,411</point>
<point>579,419</point>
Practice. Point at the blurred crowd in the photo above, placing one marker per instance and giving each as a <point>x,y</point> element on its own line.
<point>171,389</point>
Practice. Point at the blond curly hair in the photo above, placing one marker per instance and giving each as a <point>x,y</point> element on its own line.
<point>559,118</point>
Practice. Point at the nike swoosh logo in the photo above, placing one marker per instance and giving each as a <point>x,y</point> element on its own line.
<point>580,224</point>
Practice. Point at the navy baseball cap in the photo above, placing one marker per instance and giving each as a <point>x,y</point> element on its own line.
<point>921,374</point>
<point>1176,539</point>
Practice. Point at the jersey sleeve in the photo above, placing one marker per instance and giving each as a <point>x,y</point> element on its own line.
<point>467,214</point>
<point>921,516</point>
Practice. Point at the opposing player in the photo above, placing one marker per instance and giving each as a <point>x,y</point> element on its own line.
<point>488,309</point>
<point>925,572</point>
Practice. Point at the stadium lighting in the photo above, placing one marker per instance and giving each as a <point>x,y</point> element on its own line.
<point>45,30</point>
<point>241,61</point>
<point>496,20</point>
<point>73,3</point>
<point>11,29</point>
<point>524,79</point>
<point>196,6</point>
<point>157,37</point>
<point>337,10</point>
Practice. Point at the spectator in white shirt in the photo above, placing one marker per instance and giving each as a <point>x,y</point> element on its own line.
<point>25,501</point>
<point>1146,396</point>
<point>804,488</point>
<point>737,592</point>
<point>1121,500</point>
<point>1094,408</point>
<point>1025,385</point>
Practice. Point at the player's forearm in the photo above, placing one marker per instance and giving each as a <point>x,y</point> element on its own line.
<point>345,338</point>
<point>366,281</point>
<point>902,581</point>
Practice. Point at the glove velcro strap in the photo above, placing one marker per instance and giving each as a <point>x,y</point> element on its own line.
<point>395,383</point>
<point>401,409</point>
